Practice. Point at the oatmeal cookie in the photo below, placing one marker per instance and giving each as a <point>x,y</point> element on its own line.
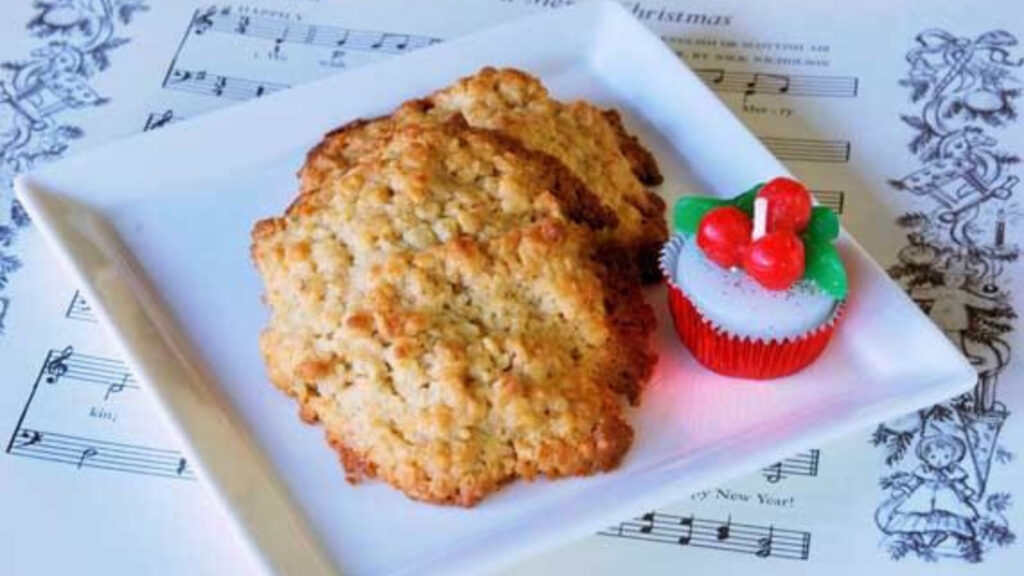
<point>439,303</point>
<point>592,143</point>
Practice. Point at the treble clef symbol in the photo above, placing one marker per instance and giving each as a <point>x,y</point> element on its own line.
<point>56,366</point>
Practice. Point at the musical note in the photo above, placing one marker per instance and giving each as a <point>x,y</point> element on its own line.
<point>722,532</point>
<point>117,387</point>
<point>803,464</point>
<point>779,82</point>
<point>89,452</point>
<point>684,540</point>
<point>275,53</point>
<point>728,536</point>
<point>81,375</point>
<point>83,452</point>
<point>751,88</point>
<point>713,75</point>
<point>243,25</point>
<point>220,86</point>
<point>764,544</point>
<point>58,367</point>
<point>764,83</point>
<point>342,43</point>
<point>649,518</point>
<point>750,83</point>
<point>281,31</point>
<point>392,42</point>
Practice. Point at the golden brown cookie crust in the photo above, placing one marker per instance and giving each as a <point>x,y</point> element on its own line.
<point>592,143</point>
<point>344,147</point>
<point>643,163</point>
<point>439,304</point>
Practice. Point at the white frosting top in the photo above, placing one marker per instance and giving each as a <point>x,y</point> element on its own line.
<point>738,304</point>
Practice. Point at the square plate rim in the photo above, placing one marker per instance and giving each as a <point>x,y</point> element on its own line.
<point>31,189</point>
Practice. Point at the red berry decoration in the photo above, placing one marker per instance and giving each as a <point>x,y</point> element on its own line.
<point>789,204</point>
<point>775,260</point>
<point>724,235</point>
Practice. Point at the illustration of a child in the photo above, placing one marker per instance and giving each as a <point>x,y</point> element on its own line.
<point>936,502</point>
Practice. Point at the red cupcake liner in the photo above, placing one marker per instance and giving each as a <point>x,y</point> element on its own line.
<point>740,356</point>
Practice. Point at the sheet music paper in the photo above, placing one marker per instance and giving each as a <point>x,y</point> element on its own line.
<point>901,118</point>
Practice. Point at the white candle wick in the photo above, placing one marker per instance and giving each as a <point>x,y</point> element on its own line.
<point>760,217</point>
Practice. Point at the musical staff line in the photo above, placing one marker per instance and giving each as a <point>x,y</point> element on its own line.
<point>33,439</point>
<point>234,88</point>
<point>340,44</point>
<point>728,536</point>
<point>834,199</point>
<point>808,150</point>
<point>282,31</point>
<point>803,464</point>
<point>80,310</point>
<point>84,368</point>
<point>750,83</point>
<point>92,453</point>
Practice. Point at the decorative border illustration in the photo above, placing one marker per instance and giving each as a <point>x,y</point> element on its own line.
<point>34,92</point>
<point>938,503</point>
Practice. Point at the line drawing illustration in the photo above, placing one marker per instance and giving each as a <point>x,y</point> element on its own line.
<point>78,37</point>
<point>939,461</point>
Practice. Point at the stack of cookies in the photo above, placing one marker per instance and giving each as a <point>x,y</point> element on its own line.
<point>456,292</point>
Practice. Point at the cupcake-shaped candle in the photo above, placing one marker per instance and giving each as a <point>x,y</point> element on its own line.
<point>755,283</point>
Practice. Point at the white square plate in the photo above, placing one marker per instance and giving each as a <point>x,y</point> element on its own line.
<point>157,230</point>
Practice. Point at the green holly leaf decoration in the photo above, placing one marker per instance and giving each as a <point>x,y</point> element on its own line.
<point>745,201</point>
<point>823,227</point>
<point>824,267</point>
<point>689,210</point>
